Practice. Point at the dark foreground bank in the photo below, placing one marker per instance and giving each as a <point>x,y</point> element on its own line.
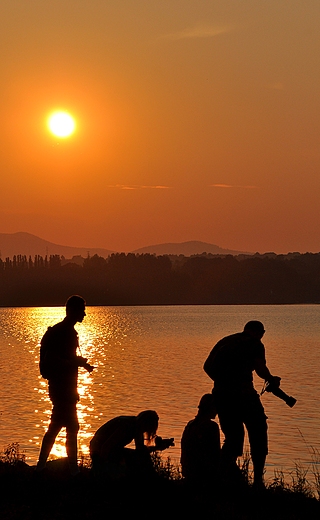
<point>54,495</point>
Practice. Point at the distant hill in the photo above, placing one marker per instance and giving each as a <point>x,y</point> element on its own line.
<point>193,247</point>
<point>30,245</point>
<point>27,244</point>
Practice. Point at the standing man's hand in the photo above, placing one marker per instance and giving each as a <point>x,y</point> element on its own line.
<point>274,381</point>
<point>82,362</point>
<point>88,367</point>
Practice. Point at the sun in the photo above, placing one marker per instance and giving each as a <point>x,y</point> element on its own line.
<point>61,124</point>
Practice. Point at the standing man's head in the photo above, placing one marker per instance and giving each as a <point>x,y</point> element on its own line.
<point>254,328</point>
<point>75,308</point>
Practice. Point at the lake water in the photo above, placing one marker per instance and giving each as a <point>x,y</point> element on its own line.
<point>152,357</point>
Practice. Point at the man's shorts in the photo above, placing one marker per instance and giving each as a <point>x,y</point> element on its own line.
<point>237,411</point>
<point>65,414</point>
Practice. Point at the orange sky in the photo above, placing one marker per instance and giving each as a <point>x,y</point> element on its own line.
<point>196,120</point>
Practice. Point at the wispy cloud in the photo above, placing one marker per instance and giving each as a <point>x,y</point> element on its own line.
<point>199,31</point>
<point>228,186</point>
<point>138,187</point>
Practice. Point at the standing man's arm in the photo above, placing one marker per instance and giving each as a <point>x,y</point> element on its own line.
<point>83,362</point>
<point>263,372</point>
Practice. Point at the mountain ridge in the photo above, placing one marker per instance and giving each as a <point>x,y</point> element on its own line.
<point>23,243</point>
<point>191,247</point>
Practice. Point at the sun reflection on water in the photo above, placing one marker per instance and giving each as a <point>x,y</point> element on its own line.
<point>147,357</point>
<point>96,338</point>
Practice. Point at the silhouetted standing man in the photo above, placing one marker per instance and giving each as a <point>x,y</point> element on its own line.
<point>230,365</point>
<point>59,364</point>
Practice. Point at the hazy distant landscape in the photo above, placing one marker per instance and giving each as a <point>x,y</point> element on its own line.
<point>163,155</point>
<point>165,279</point>
<point>27,244</point>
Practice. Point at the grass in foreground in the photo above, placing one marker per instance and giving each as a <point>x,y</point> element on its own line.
<point>302,481</point>
<point>55,495</point>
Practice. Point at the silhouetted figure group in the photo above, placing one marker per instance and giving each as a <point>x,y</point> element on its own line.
<point>230,365</point>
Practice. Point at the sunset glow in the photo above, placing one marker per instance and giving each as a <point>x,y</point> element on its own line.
<point>61,124</point>
<point>177,122</point>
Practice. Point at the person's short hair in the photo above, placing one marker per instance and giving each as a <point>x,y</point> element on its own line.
<point>75,302</point>
<point>207,402</point>
<point>254,326</point>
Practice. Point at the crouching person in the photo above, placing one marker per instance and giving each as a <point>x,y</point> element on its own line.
<point>200,447</point>
<point>112,458</point>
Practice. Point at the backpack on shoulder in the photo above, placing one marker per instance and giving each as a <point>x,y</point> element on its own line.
<point>45,350</point>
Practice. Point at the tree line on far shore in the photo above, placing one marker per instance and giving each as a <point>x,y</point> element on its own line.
<point>145,279</point>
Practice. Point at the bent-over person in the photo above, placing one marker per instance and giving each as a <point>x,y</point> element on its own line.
<point>109,451</point>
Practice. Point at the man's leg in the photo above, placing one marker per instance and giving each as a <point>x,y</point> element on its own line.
<point>47,444</point>
<point>258,461</point>
<point>231,450</point>
<point>256,424</point>
<point>233,430</point>
<point>72,428</point>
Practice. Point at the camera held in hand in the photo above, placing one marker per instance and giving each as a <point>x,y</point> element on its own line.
<point>276,390</point>
<point>88,367</point>
<point>162,444</point>
<point>83,362</point>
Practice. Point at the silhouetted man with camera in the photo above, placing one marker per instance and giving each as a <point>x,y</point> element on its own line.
<point>230,365</point>
<point>59,364</point>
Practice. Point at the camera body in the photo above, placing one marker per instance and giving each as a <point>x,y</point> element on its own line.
<point>162,444</point>
<point>88,367</point>
<point>276,390</point>
<point>82,362</point>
